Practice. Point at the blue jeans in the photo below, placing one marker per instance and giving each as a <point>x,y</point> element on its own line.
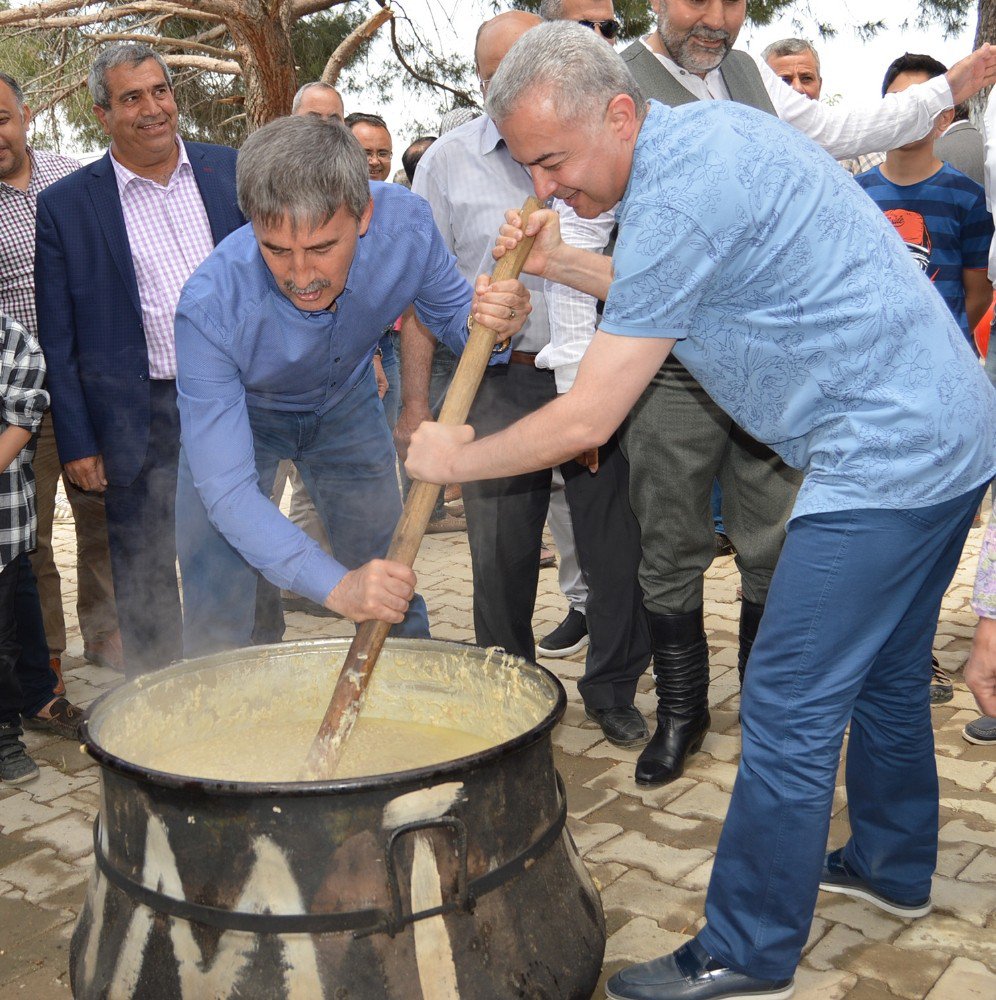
<point>347,460</point>
<point>716,503</point>
<point>392,369</point>
<point>846,638</point>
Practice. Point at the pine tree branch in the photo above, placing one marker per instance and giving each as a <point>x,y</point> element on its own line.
<point>347,47</point>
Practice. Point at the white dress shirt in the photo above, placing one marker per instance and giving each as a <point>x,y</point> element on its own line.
<point>573,315</point>
<point>843,132</point>
<point>170,235</point>
<point>469,178</point>
<point>989,137</point>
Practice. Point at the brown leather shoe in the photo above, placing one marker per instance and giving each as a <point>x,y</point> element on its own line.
<point>106,652</point>
<point>446,524</point>
<point>56,664</point>
<point>63,719</point>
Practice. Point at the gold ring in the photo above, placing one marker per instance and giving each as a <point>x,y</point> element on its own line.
<point>511,314</point>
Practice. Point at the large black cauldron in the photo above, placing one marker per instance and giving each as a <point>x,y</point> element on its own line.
<point>455,881</point>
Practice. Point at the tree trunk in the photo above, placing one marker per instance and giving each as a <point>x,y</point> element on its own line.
<point>261,32</point>
<point>985,31</point>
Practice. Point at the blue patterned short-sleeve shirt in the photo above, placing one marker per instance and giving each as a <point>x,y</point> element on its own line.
<point>799,309</point>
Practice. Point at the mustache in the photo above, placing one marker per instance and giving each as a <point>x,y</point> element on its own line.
<point>710,34</point>
<point>316,285</point>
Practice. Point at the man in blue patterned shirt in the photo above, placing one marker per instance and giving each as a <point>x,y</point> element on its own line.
<point>744,248</point>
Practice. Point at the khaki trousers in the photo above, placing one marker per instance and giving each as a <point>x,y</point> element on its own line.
<point>95,590</point>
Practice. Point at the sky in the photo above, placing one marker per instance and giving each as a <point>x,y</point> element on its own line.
<point>852,69</point>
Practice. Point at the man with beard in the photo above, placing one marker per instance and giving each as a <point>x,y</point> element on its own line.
<point>677,439</point>
<point>24,173</point>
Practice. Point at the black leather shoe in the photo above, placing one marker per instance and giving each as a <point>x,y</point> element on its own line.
<point>839,876</point>
<point>691,973</point>
<point>623,725</point>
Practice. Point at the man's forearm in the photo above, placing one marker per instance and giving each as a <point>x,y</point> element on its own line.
<point>978,296</point>
<point>417,348</point>
<point>12,440</point>
<point>581,269</point>
<point>541,440</point>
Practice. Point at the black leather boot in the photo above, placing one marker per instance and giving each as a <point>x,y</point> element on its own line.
<point>750,619</point>
<point>681,673</point>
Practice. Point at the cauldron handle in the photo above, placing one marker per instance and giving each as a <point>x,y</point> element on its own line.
<point>347,698</point>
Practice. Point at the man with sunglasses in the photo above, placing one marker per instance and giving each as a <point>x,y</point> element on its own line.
<point>599,15</point>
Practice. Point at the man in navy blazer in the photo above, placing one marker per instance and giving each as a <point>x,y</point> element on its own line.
<point>116,240</point>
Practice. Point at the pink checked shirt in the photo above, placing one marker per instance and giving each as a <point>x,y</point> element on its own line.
<point>169,235</point>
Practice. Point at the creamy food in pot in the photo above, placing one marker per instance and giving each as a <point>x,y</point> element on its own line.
<point>252,715</point>
<point>276,752</point>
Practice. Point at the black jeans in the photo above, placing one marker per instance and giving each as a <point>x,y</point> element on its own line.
<point>26,676</point>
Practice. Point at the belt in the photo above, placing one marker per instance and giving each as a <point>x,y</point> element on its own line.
<point>522,358</point>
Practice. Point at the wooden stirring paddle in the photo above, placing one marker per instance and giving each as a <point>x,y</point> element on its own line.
<point>347,698</point>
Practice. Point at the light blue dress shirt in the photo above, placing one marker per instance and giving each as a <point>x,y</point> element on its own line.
<point>241,342</point>
<point>799,309</point>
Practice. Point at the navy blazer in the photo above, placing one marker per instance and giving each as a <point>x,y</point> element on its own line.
<point>89,313</point>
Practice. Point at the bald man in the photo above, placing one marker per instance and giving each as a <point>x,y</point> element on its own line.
<point>469,179</point>
<point>317,98</point>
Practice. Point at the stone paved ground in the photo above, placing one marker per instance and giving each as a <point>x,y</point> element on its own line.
<point>649,850</point>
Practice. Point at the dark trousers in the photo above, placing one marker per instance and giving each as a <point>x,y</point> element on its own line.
<point>505,517</point>
<point>679,442</point>
<point>607,538</point>
<point>26,676</point>
<point>141,532</point>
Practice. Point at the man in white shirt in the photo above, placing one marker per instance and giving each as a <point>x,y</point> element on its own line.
<point>469,179</point>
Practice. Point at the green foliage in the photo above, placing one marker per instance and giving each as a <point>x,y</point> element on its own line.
<point>952,15</point>
<point>763,12</point>
<point>315,38</point>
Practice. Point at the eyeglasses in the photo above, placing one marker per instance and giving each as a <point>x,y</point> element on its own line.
<point>607,29</point>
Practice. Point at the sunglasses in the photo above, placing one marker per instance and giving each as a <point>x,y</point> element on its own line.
<point>607,29</point>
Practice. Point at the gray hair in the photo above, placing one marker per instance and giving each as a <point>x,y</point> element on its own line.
<point>121,54</point>
<point>303,168</point>
<point>551,10</point>
<point>15,89</point>
<point>579,71</point>
<point>296,103</point>
<point>791,47</point>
